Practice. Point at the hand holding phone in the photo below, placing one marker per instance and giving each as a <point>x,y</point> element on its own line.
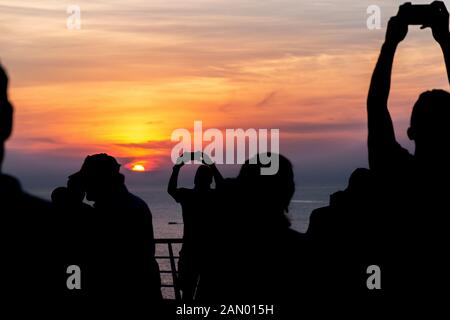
<point>439,22</point>
<point>396,31</point>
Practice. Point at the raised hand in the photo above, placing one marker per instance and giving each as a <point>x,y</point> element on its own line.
<point>181,159</point>
<point>397,29</point>
<point>439,25</point>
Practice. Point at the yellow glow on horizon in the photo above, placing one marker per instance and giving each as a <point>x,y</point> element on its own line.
<point>138,168</point>
<point>141,165</point>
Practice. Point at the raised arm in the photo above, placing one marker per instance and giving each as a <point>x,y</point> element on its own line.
<point>381,137</point>
<point>440,31</point>
<point>173,181</point>
<point>446,50</point>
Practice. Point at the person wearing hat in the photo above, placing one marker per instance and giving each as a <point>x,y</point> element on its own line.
<point>120,247</point>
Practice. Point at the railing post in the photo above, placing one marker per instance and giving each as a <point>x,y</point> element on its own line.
<point>174,273</point>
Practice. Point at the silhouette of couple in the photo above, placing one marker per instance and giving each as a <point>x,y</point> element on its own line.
<point>238,244</point>
<point>117,246</point>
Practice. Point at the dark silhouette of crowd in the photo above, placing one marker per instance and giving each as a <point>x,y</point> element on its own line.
<point>238,244</point>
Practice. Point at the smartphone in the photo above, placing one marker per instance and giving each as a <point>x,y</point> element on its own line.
<point>417,14</point>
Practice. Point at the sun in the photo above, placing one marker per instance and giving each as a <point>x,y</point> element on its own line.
<point>140,165</point>
<point>138,168</point>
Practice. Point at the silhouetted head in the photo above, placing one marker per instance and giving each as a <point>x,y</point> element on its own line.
<point>76,188</point>
<point>203,177</point>
<point>60,196</point>
<point>268,195</point>
<point>360,183</point>
<point>72,196</point>
<point>100,176</point>
<point>429,127</point>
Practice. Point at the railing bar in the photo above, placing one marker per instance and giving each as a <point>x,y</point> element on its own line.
<point>174,275</point>
<point>171,257</point>
<point>167,271</point>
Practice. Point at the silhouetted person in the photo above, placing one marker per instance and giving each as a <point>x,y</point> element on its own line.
<point>412,186</point>
<point>198,207</point>
<point>31,269</point>
<point>76,221</point>
<point>430,114</point>
<point>71,196</point>
<point>121,262</point>
<point>256,256</point>
<point>343,239</point>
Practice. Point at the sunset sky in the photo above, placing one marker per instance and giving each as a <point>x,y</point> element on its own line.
<point>138,69</point>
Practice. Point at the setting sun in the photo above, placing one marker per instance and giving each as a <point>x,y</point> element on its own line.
<point>138,167</point>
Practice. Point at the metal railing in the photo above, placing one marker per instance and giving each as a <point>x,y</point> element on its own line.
<point>172,264</point>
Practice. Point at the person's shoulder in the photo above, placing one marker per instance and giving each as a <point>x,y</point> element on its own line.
<point>405,153</point>
<point>320,213</point>
<point>11,190</point>
<point>137,202</point>
<point>402,155</point>
<point>9,184</point>
<point>293,243</point>
<point>320,219</point>
<point>399,164</point>
<point>36,202</point>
